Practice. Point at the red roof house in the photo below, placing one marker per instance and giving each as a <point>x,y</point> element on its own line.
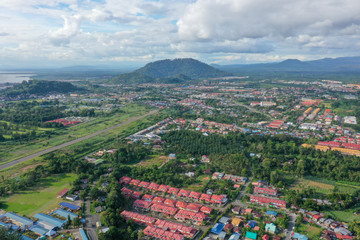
<point>125,180</point>
<point>183,193</point>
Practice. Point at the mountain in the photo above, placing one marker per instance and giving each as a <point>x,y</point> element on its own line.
<point>325,65</point>
<point>178,70</point>
<point>39,87</point>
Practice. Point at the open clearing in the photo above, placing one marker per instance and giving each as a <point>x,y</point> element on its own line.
<point>324,186</point>
<point>41,198</point>
<point>313,232</point>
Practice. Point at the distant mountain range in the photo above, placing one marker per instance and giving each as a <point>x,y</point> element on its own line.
<point>327,65</point>
<point>171,71</point>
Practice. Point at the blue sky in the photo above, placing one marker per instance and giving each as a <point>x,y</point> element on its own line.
<point>57,33</point>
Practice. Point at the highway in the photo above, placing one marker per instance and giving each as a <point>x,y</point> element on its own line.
<point>37,154</point>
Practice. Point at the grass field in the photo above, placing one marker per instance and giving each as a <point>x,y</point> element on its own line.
<point>152,160</point>
<point>10,151</point>
<point>324,186</point>
<point>41,198</point>
<point>346,215</point>
<point>313,232</point>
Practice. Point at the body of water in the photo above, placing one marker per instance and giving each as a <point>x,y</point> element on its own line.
<point>14,77</point>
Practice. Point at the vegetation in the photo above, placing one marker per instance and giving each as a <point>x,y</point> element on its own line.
<point>39,87</point>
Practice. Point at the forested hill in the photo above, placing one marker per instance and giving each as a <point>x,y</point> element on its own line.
<point>171,71</point>
<point>39,87</point>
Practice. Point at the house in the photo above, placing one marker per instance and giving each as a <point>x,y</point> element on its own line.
<point>181,205</point>
<point>136,195</point>
<point>193,207</point>
<point>298,236</point>
<point>147,197</point>
<point>144,184</point>
<point>138,218</point>
<point>158,199</point>
<point>235,236</point>
<point>250,236</point>
<point>228,227</point>
<point>206,210</point>
<point>153,186</point>
<point>125,180</point>
<point>72,197</point>
<point>173,190</point>
<point>196,218</point>
<point>217,229</point>
<point>135,182</point>
<point>145,205</point>
<point>270,228</point>
<point>236,210</point>
<point>265,237</point>
<point>62,193</point>
<point>188,232</point>
<point>222,236</point>
<point>159,233</point>
<point>164,209</point>
<point>224,220</point>
<point>266,191</point>
<point>236,221</point>
<point>163,188</point>
<point>183,193</point>
<point>190,174</point>
<point>194,195</point>
<point>205,197</point>
<point>170,202</point>
<point>50,220</point>
<point>268,201</point>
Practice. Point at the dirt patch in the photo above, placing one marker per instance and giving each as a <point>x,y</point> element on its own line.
<point>206,178</point>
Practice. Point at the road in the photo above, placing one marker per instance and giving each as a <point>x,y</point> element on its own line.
<point>254,110</point>
<point>34,155</point>
<point>91,222</point>
<point>291,226</point>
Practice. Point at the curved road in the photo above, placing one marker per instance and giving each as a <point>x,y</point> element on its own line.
<point>34,155</point>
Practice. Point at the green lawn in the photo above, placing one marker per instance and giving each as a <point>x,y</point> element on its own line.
<point>41,198</point>
<point>346,215</point>
<point>311,231</point>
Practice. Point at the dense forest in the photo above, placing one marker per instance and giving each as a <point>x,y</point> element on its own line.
<point>278,153</point>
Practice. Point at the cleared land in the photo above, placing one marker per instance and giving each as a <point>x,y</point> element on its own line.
<point>324,186</point>
<point>34,155</point>
<point>41,198</point>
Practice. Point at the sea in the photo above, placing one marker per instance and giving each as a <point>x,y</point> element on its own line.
<point>14,77</point>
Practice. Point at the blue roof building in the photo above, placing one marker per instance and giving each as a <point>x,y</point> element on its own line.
<point>65,214</point>
<point>272,213</point>
<point>39,230</point>
<point>83,234</point>
<point>69,206</point>
<point>53,221</point>
<point>299,236</point>
<point>235,236</point>
<point>217,229</point>
<point>23,237</point>
<point>23,222</point>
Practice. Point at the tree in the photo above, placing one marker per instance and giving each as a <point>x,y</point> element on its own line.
<point>5,234</point>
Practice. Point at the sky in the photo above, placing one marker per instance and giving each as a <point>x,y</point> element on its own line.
<point>58,33</point>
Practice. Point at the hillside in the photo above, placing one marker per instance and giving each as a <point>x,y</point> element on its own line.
<point>326,65</point>
<point>39,87</point>
<point>171,71</point>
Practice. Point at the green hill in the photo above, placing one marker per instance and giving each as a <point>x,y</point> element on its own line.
<point>39,87</point>
<point>171,71</point>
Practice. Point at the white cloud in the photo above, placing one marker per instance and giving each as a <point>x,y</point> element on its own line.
<point>72,31</point>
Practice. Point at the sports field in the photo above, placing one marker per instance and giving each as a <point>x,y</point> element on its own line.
<point>41,198</point>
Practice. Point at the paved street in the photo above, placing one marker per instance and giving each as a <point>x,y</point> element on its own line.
<point>91,222</point>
